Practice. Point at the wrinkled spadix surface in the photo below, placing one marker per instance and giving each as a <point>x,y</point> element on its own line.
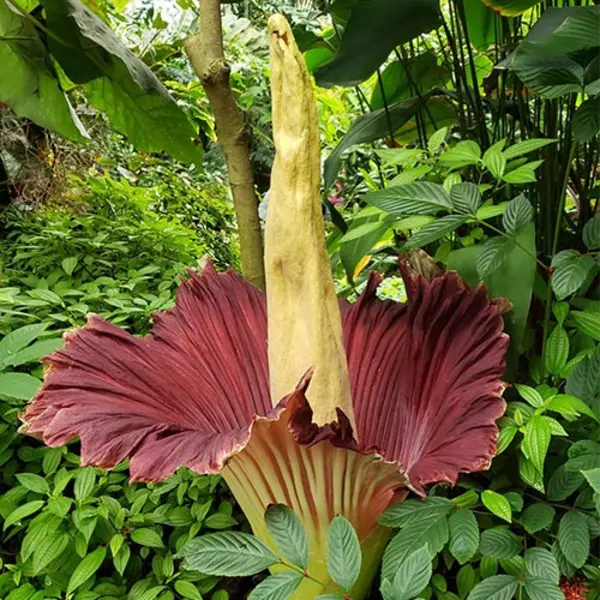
<point>331,408</point>
<point>304,317</point>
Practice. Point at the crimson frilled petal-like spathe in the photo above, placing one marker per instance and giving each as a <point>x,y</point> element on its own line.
<point>426,375</point>
<point>186,395</point>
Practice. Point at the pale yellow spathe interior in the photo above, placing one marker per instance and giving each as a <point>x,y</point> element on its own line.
<point>305,329</point>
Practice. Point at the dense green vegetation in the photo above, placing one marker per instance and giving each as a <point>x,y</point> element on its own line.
<point>427,145</point>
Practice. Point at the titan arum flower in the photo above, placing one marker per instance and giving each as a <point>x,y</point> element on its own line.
<point>296,397</point>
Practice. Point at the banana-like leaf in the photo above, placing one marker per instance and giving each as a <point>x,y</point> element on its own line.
<point>511,8</point>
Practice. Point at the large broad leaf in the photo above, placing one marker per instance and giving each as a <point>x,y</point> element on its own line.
<point>370,127</point>
<point>555,57</point>
<point>423,72</point>
<point>28,83</point>
<point>480,24</point>
<point>511,8</point>
<point>512,280</point>
<point>374,29</point>
<point>117,82</point>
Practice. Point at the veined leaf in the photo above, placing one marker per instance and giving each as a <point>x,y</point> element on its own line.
<point>228,554</point>
<point>539,588</point>
<point>587,323</point>
<point>536,441</point>
<point>495,162</point>
<point>438,229</point>
<point>18,339</point>
<point>497,504</point>
<point>571,270</point>
<point>413,510</point>
<point>591,233</point>
<point>499,542</point>
<point>413,575</point>
<point>276,587</point>
<point>463,154</point>
<point>557,350</point>
<point>343,553</point>
<point>493,253</point>
<point>464,535</point>
<point>518,214</point>
<point>526,146</point>
<point>574,538</point>
<point>20,386</point>
<point>542,563</point>
<point>537,517</point>
<point>466,198</point>
<point>420,198</point>
<point>288,532</point>
<point>586,120</point>
<point>498,587</point>
<point>86,568</point>
<point>511,8</point>
<point>118,82</point>
<point>593,478</point>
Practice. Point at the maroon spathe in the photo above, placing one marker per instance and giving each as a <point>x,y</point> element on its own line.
<point>425,379</point>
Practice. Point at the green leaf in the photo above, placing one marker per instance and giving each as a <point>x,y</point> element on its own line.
<point>33,482</point>
<point>22,512</point>
<point>523,174</point>
<point>186,589</point>
<point>434,231</point>
<point>499,542</point>
<point>343,553</point>
<point>587,323</point>
<point>466,198</point>
<point>495,162</point>
<point>571,270</point>
<point>536,441</point>
<point>413,575</point>
<point>18,339</point>
<point>542,563</point>
<point>420,198</point>
<point>373,30</point>
<point>276,587</point>
<point>586,120</point>
<point>463,154</point>
<point>537,517</point>
<point>493,254</point>
<point>29,84</point>
<point>51,460</point>
<point>563,483</point>
<point>289,534</point>
<point>569,406</point>
<point>121,559</point>
<point>228,554</point>
<point>505,437</point>
<point>69,264</point>
<point>499,587</point>
<point>413,510</point>
<point>20,386</point>
<point>526,146</point>
<point>32,353</point>
<point>557,350</point>
<point>118,83</point>
<point>538,588</point>
<point>574,538</point>
<point>431,529</point>
<point>591,233</point>
<point>584,380</point>
<point>518,214</point>
<point>593,478</point>
<point>511,8</point>
<point>84,484</point>
<point>464,535</point>
<point>147,537</point>
<point>437,139</point>
<point>370,127</point>
<point>86,568</point>
<point>49,549</point>
<point>530,395</point>
<point>497,504</point>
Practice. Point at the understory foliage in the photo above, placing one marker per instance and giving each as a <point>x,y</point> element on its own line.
<point>464,128</point>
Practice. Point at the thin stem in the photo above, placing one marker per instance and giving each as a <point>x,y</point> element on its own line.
<point>385,107</point>
<point>300,570</point>
<point>503,234</point>
<point>559,215</point>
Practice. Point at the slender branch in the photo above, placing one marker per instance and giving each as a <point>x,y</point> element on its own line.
<point>207,56</point>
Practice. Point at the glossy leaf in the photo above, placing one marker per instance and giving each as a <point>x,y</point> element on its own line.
<point>86,568</point>
<point>420,198</point>
<point>499,587</point>
<point>466,198</point>
<point>539,588</point>
<point>373,30</point>
<point>571,270</point>
<point>497,504</point>
<point>493,253</point>
<point>542,563</point>
<point>557,350</point>
<point>536,441</point>
<point>518,214</point>
<point>537,516</point>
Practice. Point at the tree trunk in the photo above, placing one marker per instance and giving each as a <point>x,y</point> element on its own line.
<point>205,52</point>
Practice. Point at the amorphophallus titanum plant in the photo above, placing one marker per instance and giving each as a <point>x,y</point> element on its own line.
<point>296,398</point>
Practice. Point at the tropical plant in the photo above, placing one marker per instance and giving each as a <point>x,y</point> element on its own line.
<point>186,377</point>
